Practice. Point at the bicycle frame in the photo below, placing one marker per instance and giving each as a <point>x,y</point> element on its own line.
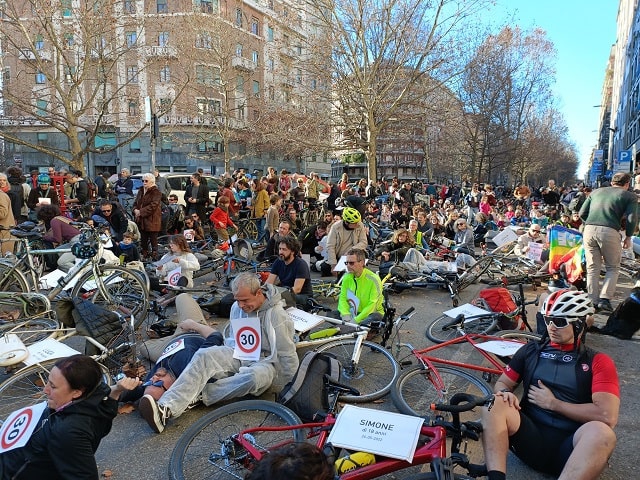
<point>435,447</point>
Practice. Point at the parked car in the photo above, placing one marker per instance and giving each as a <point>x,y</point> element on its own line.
<point>179,182</point>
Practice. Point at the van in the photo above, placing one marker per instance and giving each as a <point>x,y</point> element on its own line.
<point>178,183</point>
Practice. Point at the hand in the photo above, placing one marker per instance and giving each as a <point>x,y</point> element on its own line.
<point>541,396</point>
<point>188,325</point>
<point>508,397</point>
<point>128,383</point>
<point>626,243</point>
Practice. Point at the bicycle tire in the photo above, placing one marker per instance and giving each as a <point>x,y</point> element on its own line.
<point>522,335</point>
<point>24,388</point>
<point>415,390</point>
<point>473,273</point>
<point>200,451</point>
<point>374,374</point>
<point>437,334</point>
<point>126,292</point>
<point>11,280</point>
<point>32,330</point>
<point>36,258</point>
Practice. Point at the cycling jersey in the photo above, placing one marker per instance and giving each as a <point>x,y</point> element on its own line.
<point>368,290</point>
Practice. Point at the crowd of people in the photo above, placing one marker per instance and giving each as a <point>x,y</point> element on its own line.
<point>563,424</point>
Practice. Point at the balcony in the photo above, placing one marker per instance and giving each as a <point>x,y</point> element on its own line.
<point>244,64</point>
<point>157,51</point>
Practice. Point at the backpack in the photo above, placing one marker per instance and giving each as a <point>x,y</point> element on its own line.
<point>499,299</point>
<point>576,202</point>
<point>301,393</point>
<point>624,322</point>
<point>92,189</point>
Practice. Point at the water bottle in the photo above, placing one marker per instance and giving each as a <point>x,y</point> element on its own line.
<point>353,461</point>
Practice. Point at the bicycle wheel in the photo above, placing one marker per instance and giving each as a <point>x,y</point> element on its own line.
<point>11,280</point>
<point>37,259</point>
<point>24,388</point>
<point>33,330</point>
<point>372,376</point>
<point>122,290</point>
<point>520,335</point>
<point>473,273</point>
<point>205,449</point>
<point>437,331</point>
<point>416,389</point>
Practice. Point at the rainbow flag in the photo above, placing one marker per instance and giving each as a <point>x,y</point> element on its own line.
<point>562,240</point>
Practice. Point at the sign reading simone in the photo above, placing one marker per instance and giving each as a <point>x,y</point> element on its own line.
<point>389,434</point>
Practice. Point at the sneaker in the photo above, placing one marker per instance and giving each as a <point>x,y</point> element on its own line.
<point>195,402</point>
<point>155,415</point>
<point>604,305</point>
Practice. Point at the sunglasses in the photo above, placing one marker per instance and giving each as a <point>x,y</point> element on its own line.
<point>157,383</point>
<point>352,263</point>
<point>558,322</point>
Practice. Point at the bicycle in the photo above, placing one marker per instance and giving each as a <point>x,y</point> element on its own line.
<point>435,378</point>
<point>112,286</point>
<point>248,228</point>
<point>445,328</point>
<point>227,442</point>
<point>25,386</point>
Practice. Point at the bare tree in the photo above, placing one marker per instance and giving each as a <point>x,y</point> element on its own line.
<point>379,50</point>
<point>74,67</point>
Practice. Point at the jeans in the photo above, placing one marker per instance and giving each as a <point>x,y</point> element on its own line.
<point>602,243</point>
<point>262,233</point>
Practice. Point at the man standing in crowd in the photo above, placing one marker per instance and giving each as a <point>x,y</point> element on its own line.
<point>605,212</point>
<point>162,183</point>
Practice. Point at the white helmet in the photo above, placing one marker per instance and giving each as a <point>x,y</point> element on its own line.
<point>570,304</point>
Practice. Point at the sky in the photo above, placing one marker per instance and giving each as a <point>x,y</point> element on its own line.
<point>583,32</point>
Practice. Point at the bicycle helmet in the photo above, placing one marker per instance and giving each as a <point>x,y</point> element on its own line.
<point>44,179</point>
<point>570,304</point>
<point>85,249</point>
<point>351,215</point>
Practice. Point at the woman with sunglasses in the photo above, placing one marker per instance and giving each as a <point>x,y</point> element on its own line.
<point>563,422</point>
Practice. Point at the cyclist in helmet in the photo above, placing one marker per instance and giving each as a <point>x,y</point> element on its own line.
<point>44,194</point>
<point>345,235</point>
<point>563,423</point>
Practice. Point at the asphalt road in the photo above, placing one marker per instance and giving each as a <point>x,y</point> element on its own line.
<point>132,450</point>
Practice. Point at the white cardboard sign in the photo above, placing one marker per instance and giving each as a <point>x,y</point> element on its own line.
<point>379,432</point>
<point>246,333</point>
<point>19,426</point>
<point>505,236</point>
<point>535,251</point>
<point>303,321</point>
<point>503,348</point>
<point>46,350</point>
<point>468,310</point>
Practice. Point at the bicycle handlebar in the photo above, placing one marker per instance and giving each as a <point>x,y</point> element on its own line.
<point>456,404</point>
<point>409,311</point>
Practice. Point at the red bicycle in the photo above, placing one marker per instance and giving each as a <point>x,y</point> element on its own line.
<point>227,442</point>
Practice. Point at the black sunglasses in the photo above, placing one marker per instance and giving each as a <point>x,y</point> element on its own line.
<point>558,322</point>
<point>352,263</point>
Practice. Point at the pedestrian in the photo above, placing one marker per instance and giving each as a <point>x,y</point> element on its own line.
<point>605,212</point>
<point>148,214</point>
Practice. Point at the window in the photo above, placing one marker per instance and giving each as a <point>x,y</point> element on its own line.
<point>272,93</point>
<point>238,17</point>
<point>298,75</point>
<point>255,26</point>
<point>67,10</point>
<point>239,83</point>
<point>203,40</point>
<point>299,49</point>
<point>165,74</point>
<point>132,38</point>
<point>165,104</point>
<point>255,56</point>
<point>209,146</point>
<point>166,144</point>
<point>40,78</point>
<point>270,34</point>
<point>272,64</point>
<point>41,106</point>
<point>256,88</point>
<point>208,106</point>
<point>163,39</point>
<point>207,75</point>
<point>69,73</point>
<point>129,6</point>
<point>239,50</point>
<point>132,74</point>
<point>241,112</point>
<point>39,42</point>
<point>314,84</point>
<point>206,6</point>
<point>42,138</point>
<point>68,41</point>
<point>6,76</point>
<point>161,6</point>
<point>133,108</point>
<point>134,145</point>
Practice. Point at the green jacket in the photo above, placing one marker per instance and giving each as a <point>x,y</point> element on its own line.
<point>367,288</point>
<point>611,207</point>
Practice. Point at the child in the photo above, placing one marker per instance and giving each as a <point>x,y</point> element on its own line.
<point>128,251</point>
<point>273,215</point>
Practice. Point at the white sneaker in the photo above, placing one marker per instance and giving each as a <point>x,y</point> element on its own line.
<point>155,415</point>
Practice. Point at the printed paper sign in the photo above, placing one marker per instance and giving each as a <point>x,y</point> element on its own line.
<point>171,349</point>
<point>47,349</point>
<point>503,348</point>
<point>189,234</point>
<point>535,251</point>
<point>379,432</point>
<point>246,333</point>
<point>19,426</point>
<point>173,276</point>
<point>505,236</point>
<point>354,303</point>
<point>303,321</point>
<point>468,310</point>
<point>341,265</point>
<point>44,201</point>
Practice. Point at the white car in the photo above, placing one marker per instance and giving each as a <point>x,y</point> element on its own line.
<point>178,183</point>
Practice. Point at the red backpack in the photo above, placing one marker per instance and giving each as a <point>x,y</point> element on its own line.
<point>499,299</point>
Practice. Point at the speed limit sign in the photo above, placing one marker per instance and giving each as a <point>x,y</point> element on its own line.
<point>19,426</point>
<point>247,339</point>
<point>246,333</point>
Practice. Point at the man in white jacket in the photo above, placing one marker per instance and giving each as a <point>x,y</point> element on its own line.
<point>276,364</point>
